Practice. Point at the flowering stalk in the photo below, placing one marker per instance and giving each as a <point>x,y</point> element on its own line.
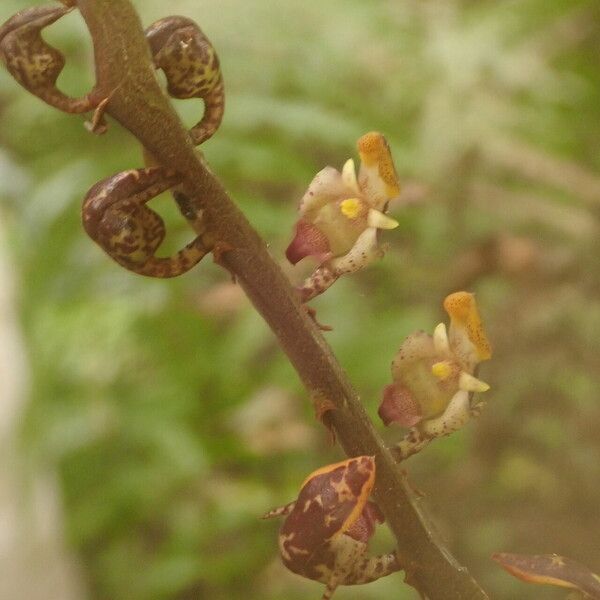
<point>125,75</point>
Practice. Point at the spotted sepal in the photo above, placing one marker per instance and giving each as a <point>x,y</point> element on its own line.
<point>330,501</point>
<point>325,534</point>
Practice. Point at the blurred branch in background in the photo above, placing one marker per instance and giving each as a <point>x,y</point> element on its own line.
<point>34,562</point>
<point>124,76</point>
<point>540,167</point>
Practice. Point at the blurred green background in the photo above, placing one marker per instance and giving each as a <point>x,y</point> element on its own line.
<point>169,414</point>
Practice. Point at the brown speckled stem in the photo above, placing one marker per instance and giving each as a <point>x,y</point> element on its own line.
<point>125,73</point>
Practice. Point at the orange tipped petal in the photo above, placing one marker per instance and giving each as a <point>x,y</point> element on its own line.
<point>377,174</point>
<point>462,309</point>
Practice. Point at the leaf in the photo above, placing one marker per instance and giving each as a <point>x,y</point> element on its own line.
<point>551,569</point>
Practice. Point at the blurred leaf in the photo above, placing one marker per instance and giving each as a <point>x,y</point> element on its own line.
<point>551,569</point>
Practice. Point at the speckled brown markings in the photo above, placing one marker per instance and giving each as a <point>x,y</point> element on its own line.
<point>552,569</point>
<point>35,64</point>
<point>191,66</point>
<point>114,212</point>
<point>414,441</point>
<point>326,532</point>
<point>115,215</point>
<point>325,275</point>
<point>322,279</point>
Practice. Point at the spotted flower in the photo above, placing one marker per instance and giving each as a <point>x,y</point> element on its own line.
<point>340,215</point>
<point>433,376</point>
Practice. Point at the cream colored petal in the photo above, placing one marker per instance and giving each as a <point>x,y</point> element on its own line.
<point>349,176</point>
<point>380,221</point>
<point>416,347</point>
<point>342,224</point>
<point>440,339</point>
<point>472,384</point>
<point>327,186</point>
<point>364,251</point>
<point>377,176</point>
<point>455,416</point>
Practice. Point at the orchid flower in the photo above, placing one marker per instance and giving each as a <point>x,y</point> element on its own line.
<point>341,213</point>
<point>433,377</point>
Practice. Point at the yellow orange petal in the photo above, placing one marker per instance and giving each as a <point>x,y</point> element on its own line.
<point>462,309</point>
<point>377,160</point>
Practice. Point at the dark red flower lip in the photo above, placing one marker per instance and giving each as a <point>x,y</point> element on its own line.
<point>399,406</point>
<point>308,240</point>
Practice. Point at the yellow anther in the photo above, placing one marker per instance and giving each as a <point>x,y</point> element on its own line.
<point>442,369</point>
<point>351,207</point>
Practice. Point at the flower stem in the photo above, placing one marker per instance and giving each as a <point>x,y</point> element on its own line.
<point>125,76</point>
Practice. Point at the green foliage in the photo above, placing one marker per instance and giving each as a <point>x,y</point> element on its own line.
<point>172,415</point>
